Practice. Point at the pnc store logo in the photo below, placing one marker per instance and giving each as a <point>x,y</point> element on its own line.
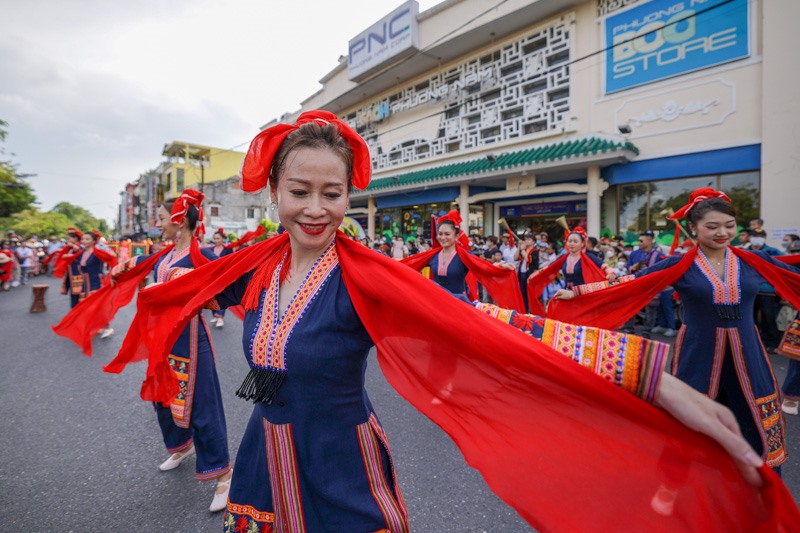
<point>388,31</point>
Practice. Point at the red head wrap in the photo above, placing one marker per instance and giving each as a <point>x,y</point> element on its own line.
<point>580,231</point>
<point>181,207</point>
<point>221,231</point>
<point>97,235</point>
<point>453,216</point>
<point>697,196</point>
<point>258,161</point>
<point>75,231</point>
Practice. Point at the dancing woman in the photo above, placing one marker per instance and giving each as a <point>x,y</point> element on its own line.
<point>454,268</point>
<point>220,250</point>
<point>717,350</point>
<point>576,267</point>
<point>314,456</point>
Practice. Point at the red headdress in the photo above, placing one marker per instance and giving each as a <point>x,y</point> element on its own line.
<point>97,235</point>
<point>258,161</point>
<point>580,231</point>
<point>221,231</point>
<point>453,216</point>
<point>76,231</point>
<point>697,196</point>
<point>181,207</point>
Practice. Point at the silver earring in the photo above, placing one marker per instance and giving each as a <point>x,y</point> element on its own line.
<point>273,206</point>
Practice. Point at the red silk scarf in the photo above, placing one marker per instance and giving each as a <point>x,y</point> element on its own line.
<point>64,260</point>
<point>92,314</point>
<point>543,278</point>
<point>611,307</point>
<point>501,283</point>
<point>534,423</point>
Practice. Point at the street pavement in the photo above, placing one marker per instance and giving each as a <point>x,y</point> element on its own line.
<point>80,450</point>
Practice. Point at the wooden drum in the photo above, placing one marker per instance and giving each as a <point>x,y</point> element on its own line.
<point>38,305</point>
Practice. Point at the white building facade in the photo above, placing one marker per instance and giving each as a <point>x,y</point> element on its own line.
<point>606,112</point>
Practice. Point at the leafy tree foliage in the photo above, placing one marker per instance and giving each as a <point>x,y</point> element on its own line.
<point>15,193</point>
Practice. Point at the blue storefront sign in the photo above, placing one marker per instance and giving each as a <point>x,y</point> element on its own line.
<point>544,208</point>
<point>665,38</point>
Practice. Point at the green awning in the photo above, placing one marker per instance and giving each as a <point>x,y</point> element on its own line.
<point>585,146</point>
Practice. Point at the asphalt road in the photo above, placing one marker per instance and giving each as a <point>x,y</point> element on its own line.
<point>80,450</point>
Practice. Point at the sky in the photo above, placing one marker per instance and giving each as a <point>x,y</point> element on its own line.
<point>93,89</point>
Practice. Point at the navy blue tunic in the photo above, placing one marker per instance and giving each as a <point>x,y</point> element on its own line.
<point>451,274</point>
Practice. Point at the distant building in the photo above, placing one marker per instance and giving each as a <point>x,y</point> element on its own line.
<point>229,208</point>
<point>192,166</point>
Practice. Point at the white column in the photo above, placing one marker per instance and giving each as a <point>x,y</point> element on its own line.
<point>371,217</point>
<point>593,195</point>
<point>463,206</point>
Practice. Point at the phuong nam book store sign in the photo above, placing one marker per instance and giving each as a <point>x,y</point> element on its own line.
<point>393,37</point>
<point>665,38</point>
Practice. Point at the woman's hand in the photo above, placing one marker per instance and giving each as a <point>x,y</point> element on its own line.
<point>611,275</point>
<point>710,418</point>
<point>564,294</point>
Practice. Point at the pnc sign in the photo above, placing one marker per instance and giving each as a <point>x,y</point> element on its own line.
<point>665,38</point>
<point>394,36</point>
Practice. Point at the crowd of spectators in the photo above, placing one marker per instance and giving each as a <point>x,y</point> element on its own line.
<point>21,259</point>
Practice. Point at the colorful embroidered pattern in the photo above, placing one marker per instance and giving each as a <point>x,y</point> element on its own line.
<point>246,519</point>
<point>273,332</point>
<point>726,291</point>
<point>790,343</point>
<point>186,371</point>
<point>283,478</point>
<point>769,410</point>
<point>503,315</point>
<point>390,502</point>
<point>586,288</point>
<point>443,264</point>
<point>166,263</point>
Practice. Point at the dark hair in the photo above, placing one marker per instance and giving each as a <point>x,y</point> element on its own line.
<point>312,135</point>
<point>92,235</point>
<point>712,204</point>
<point>73,235</point>
<point>792,237</point>
<point>192,214</point>
<point>760,221</point>
<point>220,232</point>
<point>592,241</point>
<point>456,229</point>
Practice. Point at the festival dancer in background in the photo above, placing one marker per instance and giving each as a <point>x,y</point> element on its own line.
<point>315,457</point>
<point>717,350</point>
<point>576,267</point>
<point>85,267</point>
<point>220,250</point>
<point>193,423</point>
<point>453,267</point>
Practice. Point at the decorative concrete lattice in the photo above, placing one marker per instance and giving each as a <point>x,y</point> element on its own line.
<point>518,89</point>
<point>609,6</point>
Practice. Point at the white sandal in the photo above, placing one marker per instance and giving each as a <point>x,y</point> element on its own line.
<point>175,460</point>
<point>220,500</point>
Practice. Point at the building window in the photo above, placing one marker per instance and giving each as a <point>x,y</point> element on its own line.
<point>250,212</point>
<point>179,180</point>
<point>214,211</point>
<point>640,205</point>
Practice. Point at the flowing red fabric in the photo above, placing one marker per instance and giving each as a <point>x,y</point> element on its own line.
<point>537,283</point>
<point>247,237</point>
<point>65,260</point>
<point>56,255</point>
<point>535,424</point>
<point>793,259</point>
<point>697,196</point>
<point>500,283</point>
<point>257,162</point>
<point>105,256</point>
<point>610,308</point>
<point>164,310</point>
<point>676,238</point>
<point>92,314</point>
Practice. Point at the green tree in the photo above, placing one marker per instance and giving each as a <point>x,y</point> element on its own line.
<point>15,193</point>
<point>34,222</point>
<point>80,217</point>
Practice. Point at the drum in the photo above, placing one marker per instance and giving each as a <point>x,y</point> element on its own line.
<point>38,305</point>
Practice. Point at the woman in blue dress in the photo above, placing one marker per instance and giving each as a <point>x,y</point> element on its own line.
<point>717,350</point>
<point>194,423</point>
<point>220,250</point>
<point>314,456</point>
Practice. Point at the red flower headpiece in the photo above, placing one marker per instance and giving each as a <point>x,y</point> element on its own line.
<point>97,235</point>
<point>221,231</point>
<point>453,216</point>
<point>697,196</point>
<point>580,231</point>
<point>258,161</point>
<point>181,207</point>
<point>76,231</point>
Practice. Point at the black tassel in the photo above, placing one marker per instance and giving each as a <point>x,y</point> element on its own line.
<point>261,385</point>
<point>728,312</point>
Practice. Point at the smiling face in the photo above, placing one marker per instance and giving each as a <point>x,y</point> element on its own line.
<point>446,235</point>
<point>163,222</point>
<point>574,243</point>
<point>218,239</point>
<point>312,197</point>
<point>87,240</point>
<point>715,230</point>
